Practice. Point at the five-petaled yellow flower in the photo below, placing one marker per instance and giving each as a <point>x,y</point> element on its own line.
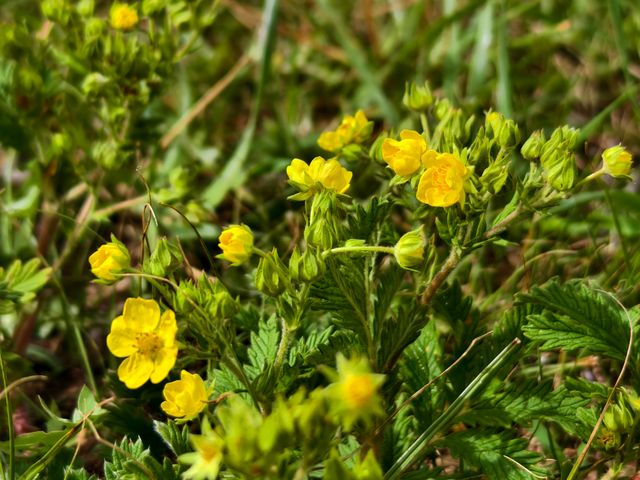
<point>354,395</point>
<point>236,243</point>
<point>353,129</point>
<point>328,173</point>
<point>123,17</point>
<point>406,156</point>
<point>442,183</point>
<point>205,461</point>
<point>616,161</point>
<point>147,340</point>
<point>185,398</point>
<point>110,260</point>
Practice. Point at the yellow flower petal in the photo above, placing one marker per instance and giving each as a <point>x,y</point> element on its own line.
<point>135,370</point>
<point>297,171</point>
<point>141,315</point>
<point>121,341</point>
<point>167,328</point>
<point>171,408</point>
<point>164,361</point>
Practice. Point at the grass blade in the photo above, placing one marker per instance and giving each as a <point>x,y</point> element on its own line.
<point>233,174</point>
<point>478,70</point>
<point>358,59</point>
<point>12,447</point>
<point>503,87</point>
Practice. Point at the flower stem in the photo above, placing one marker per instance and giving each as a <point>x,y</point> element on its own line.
<point>447,267</point>
<point>359,248</point>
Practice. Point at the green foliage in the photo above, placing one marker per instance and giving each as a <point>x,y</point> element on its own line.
<point>577,317</point>
<point>20,283</point>
<point>131,461</point>
<point>497,454</point>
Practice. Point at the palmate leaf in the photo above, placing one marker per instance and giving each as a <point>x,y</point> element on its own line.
<point>495,453</point>
<point>19,284</point>
<point>577,317</point>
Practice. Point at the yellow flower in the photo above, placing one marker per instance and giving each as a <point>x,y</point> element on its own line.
<point>353,129</point>
<point>147,340</point>
<point>442,183</point>
<point>109,260</point>
<point>123,17</point>
<point>185,398</point>
<point>205,461</point>
<point>236,243</point>
<point>328,173</point>
<point>406,156</point>
<point>355,393</point>
<point>616,161</point>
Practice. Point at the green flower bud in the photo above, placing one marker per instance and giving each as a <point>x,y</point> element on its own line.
<point>271,275</point>
<point>312,266</point>
<point>618,418</point>
<point>375,152</point>
<point>222,304</point>
<point>532,148</point>
<point>616,161</point>
<point>493,124</point>
<point>86,7</point>
<point>443,107</point>
<point>321,234</point>
<point>609,440</point>
<point>409,250</point>
<point>417,97</point>
<point>323,228</point>
<point>294,264</point>
<point>509,135</point>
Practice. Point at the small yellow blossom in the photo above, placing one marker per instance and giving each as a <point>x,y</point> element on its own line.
<point>123,17</point>
<point>442,183</point>
<point>205,461</point>
<point>147,340</point>
<point>354,395</point>
<point>236,243</point>
<point>353,129</point>
<point>328,173</point>
<point>110,260</point>
<point>617,161</point>
<point>405,157</point>
<point>185,398</point>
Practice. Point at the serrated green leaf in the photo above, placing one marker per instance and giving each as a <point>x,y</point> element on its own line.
<point>176,438</point>
<point>496,454</point>
<point>576,317</point>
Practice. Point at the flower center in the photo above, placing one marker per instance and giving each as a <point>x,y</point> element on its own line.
<point>358,390</point>
<point>148,343</point>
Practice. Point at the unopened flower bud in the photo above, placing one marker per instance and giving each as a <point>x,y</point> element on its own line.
<point>409,250</point>
<point>271,275</point>
<point>236,243</point>
<point>110,260</point>
<point>532,148</point>
<point>312,266</point>
<point>616,161</point>
<point>417,97</point>
<point>618,418</point>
